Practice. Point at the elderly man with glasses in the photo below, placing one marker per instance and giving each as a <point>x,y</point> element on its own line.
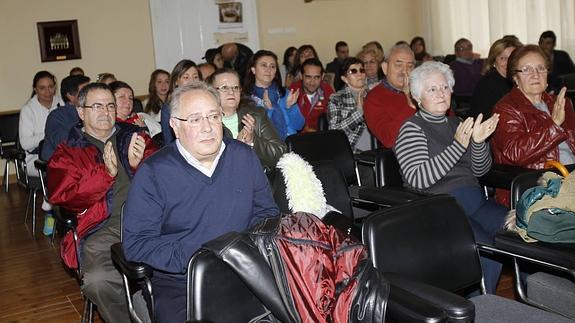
<point>89,174</point>
<point>195,189</point>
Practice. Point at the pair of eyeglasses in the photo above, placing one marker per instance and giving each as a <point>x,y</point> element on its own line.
<point>435,90</point>
<point>356,70</point>
<point>528,69</point>
<point>196,120</point>
<point>99,107</point>
<point>228,89</point>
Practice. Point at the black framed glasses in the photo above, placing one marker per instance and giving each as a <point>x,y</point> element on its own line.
<point>229,88</point>
<point>195,120</point>
<point>99,107</point>
<point>356,70</point>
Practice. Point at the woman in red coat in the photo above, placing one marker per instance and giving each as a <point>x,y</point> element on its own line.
<point>534,126</point>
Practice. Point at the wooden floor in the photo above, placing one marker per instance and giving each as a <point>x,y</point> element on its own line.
<point>34,284</point>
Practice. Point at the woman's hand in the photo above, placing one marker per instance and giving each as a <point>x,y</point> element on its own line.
<point>139,122</point>
<point>292,98</point>
<point>267,102</point>
<point>246,135</point>
<point>482,130</point>
<point>558,114</point>
<point>360,99</point>
<point>464,132</point>
<point>110,160</point>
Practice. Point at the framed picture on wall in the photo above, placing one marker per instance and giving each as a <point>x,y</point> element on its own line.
<point>59,40</point>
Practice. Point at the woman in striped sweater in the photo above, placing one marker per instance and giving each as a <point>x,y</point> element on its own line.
<point>444,155</point>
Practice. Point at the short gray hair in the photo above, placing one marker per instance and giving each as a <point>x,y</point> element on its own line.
<point>420,74</point>
<point>399,48</point>
<point>194,86</point>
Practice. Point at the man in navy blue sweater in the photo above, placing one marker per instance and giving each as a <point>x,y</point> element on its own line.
<point>195,189</point>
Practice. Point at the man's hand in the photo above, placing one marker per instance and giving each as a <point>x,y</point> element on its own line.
<point>110,160</point>
<point>292,98</point>
<point>136,150</point>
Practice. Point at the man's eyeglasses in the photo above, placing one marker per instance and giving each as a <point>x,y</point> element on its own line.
<point>356,70</point>
<point>99,107</point>
<point>196,120</point>
<point>228,89</point>
<point>528,69</point>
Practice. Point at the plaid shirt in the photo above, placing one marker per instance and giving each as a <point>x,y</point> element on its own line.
<point>342,113</point>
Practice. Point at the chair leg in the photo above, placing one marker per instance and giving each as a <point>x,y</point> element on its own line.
<point>87,315</point>
<point>34,194</point>
<point>6,170</point>
<point>28,202</point>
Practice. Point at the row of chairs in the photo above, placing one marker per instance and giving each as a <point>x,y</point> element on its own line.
<point>141,272</point>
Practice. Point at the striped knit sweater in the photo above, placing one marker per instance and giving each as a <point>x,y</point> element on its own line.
<point>432,160</point>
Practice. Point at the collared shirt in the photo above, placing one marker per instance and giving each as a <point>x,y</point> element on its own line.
<point>388,86</point>
<point>194,162</point>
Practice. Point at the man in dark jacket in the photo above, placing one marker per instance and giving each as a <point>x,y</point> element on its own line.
<point>341,52</point>
<point>90,175</point>
<point>61,120</point>
<point>560,61</point>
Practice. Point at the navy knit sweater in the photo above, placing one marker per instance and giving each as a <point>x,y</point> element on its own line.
<point>172,208</point>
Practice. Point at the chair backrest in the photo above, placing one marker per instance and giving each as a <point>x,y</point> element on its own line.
<point>428,240</point>
<point>522,182</point>
<point>217,294</point>
<point>9,128</point>
<point>333,183</point>
<point>326,145</point>
<point>388,168</point>
<point>322,122</point>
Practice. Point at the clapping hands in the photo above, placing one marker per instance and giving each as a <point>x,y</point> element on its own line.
<point>476,130</point>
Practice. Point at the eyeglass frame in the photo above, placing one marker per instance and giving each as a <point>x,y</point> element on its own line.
<point>199,119</point>
<point>99,107</point>
<point>540,69</point>
<point>227,89</point>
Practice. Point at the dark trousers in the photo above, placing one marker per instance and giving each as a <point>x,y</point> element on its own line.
<point>486,217</point>
<point>170,298</point>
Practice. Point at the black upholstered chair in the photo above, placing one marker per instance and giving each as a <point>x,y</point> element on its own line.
<point>333,145</point>
<point>32,185</point>
<point>427,248</point>
<point>9,150</point>
<point>552,288</point>
<point>217,294</point>
<point>135,276</point>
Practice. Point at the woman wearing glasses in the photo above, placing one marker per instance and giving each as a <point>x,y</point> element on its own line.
<point>244,121</point>
<point>263,84</point>
<point>345,108</point>
<point>535,127</point>
<point>444,155</point>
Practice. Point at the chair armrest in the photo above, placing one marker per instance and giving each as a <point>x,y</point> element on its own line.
<point>501,176</point>
<point>387,171</point>
<point>41,165</point>
<point>455,307</point>
<point>403,306</point>
<point>132,270</point>
<point>388,196</point>
<point>548,254</point>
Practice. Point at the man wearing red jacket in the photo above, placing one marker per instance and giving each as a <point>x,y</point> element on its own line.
<point>89,174</point>
<point>388,105</point>
<point>313,103</point>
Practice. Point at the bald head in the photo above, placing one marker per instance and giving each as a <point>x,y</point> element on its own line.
<point>229,51</point>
